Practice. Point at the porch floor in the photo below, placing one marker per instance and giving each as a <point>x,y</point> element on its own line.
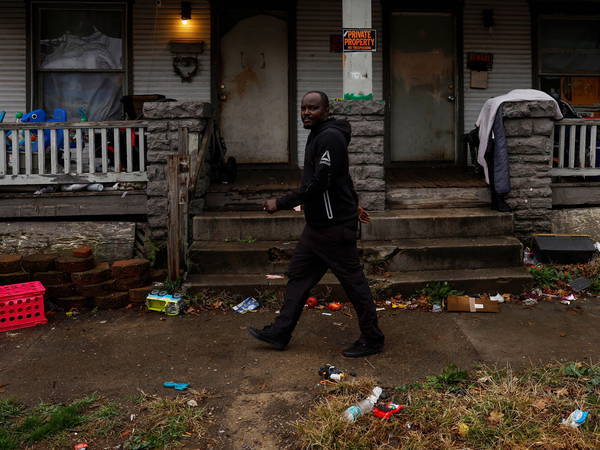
<point>73,204</point>
<point>253,179</point>
<point>406,188</point>
<point>263,179</point>
<point>433,177</point>
<point>252,187</point>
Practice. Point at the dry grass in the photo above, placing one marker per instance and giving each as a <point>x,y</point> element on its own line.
<point>145,422</point>
<point>497,409</point>
<point>164,421</point>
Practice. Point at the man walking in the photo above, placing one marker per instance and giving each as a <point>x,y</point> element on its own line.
<point>329,237</point>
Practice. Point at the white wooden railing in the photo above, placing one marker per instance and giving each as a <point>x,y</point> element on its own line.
<point>576,148</point>
<point>72,152</point>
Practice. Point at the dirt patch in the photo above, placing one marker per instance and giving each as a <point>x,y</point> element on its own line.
<point>261,420</point>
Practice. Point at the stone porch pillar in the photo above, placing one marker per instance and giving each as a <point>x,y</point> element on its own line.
<point>366,149</point>
<point>163,139</point>
<point>529,130</point>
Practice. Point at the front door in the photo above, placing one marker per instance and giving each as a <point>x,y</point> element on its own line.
<point>423,85</point>
<point>253,92</point>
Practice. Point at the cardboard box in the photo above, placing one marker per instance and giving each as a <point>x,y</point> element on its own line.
<point>464,303</point>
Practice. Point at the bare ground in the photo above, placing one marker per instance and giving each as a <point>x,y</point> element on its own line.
<point>258,391</point>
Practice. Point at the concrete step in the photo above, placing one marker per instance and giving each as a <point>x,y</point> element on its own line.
<point>391,256</point>
<point>472,281</point>
<point>260,257</point>
<point>437,197</point>
<point>385,225</point>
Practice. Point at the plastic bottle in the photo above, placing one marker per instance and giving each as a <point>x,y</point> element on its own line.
<point>95,187</point>
<point>363,407</point>
<point>575,419</point>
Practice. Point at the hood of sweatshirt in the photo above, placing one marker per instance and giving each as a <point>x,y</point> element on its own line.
<point>341,125</point>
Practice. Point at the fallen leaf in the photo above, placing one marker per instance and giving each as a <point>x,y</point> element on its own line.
<point>495,417</point>
<point>562,391</point>
<point>540,403</point>
<point>124,434</point>
<point>484,379</point>
<point>531,324</point>
<point>217,304</point>
<point>563,334</point>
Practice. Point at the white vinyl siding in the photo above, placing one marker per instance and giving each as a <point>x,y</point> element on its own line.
<point>13,55</point>
<point>153,28</point>
<point>510,42</point>
<point>317,67</point>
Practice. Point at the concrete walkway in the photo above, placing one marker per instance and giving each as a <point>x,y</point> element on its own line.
<point>116,353</point>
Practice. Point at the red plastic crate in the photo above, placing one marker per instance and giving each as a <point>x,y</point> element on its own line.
<point>21,305</point>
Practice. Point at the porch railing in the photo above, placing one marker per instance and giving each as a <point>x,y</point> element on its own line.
<point>576,148</point>
<point>72,152</point>
<point>183,170</point>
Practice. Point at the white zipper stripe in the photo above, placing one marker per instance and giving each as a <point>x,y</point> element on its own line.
<point>328,209</point>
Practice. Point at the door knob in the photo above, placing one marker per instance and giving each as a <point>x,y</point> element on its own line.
<point>451,98</point>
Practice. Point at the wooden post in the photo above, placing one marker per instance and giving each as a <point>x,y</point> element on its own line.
<point>173,227</point>
<point>184,198</point>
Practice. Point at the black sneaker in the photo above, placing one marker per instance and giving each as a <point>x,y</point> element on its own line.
<point>270,337</point>
<point>360,349</point>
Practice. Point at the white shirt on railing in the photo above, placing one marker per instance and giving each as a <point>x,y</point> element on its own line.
<point>487,114</point>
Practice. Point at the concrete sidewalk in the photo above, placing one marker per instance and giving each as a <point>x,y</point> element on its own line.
<point>116,353</point>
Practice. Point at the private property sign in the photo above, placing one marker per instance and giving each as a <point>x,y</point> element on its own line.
<point>360,39</point>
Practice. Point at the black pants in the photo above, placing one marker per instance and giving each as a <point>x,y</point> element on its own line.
<point>318,250</point>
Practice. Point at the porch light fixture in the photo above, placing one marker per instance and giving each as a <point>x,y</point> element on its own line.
<point>186,12</point>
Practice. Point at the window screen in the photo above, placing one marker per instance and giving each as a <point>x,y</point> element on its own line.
<point>80,59</point>
<point>570,46</point>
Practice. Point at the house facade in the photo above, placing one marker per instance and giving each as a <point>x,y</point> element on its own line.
<point>427,70</point>
<point>435,64</point>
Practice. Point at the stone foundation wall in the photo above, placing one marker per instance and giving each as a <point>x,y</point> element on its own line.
<point>577,221</point>
<point>109,240</point>
<point>163,139</point>
<point>366,149</point>
<point>529,127</point>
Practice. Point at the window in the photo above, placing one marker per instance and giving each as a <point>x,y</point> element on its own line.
<point>569,59</point>
<point>80,58</point>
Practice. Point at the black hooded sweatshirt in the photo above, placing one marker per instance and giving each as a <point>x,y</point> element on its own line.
<point>327,191</point>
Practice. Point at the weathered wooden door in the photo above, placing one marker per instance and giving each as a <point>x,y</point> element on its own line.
<point>423,87</point>
<point>254,90</point>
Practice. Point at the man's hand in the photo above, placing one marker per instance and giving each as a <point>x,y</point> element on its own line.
<point>270,205</point>
<point>363,215</point>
